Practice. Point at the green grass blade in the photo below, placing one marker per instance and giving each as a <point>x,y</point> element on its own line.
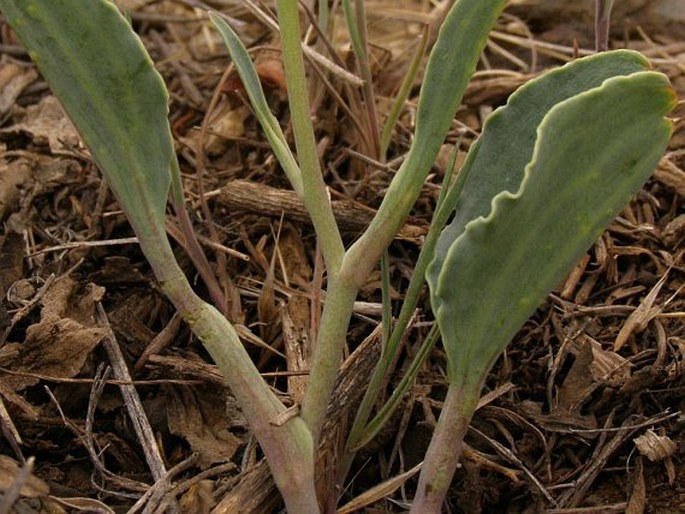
<point>497,161</point>
<point>402,94</point>
<point>452,61</point>
<point>253,87</point>
<point>386,412</point>
<point>104,78</point>
<point>592,153</point>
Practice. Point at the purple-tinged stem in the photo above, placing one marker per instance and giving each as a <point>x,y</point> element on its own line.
<point>444,451</point>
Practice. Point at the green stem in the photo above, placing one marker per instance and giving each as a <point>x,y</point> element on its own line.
<point>363,255</point>
<point>330,341</point>
<point>449,195</point>
<point>315,196</point>
<point>289,448</point>
<point>444,451</point>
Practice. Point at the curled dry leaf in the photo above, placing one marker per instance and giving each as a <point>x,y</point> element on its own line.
<point>198,415</point>
<point>59,344</point>
<point>654,446</point>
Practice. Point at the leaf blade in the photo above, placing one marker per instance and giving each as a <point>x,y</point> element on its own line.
<point>253,87</point>
<point>528,243</point>
<point>497,160</point>
<point>112,93</point>
<point>448,72</point>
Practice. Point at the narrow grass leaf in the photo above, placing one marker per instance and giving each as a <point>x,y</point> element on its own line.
<point>253,87</point>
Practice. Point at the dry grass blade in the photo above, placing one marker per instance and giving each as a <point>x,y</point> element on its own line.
<point>378,492</point>
<point>641,316</point>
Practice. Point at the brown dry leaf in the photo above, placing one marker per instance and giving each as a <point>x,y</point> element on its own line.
<point>640,317</point>
<point>13,80</point>
<point>225,124</point>
<point>47,124</point>
<point>608,366</point>
<point>674,232</point>
<point>198,414</point>
<point>654,446</point>
<point>16,399</point>
<point>592,367</point>
<point>268,311</point>
<point>198,499</point>
<point>638,496</point>
<point>11,260</point>
<point>671,175</point>
<point>32,488</point>
<point>294,257</point>
<point>557,419</point>
<point>13,175</point>
<point>59,344</point>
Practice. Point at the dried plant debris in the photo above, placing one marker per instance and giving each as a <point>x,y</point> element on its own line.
<point>583,409</point>
<point>654,446</point>
<point>60,343</point>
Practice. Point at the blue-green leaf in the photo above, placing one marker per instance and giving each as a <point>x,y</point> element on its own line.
<point>253,87</point>
<point>497,160</point>
<point>592,152</point>
<point>97,67</point>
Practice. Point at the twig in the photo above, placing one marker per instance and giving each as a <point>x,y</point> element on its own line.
<point>269,201</point>
<point>134,406</point>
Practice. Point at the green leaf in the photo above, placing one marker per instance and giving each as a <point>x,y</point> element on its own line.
<point>253,87</point>
<point>497,161</point>
<point>104,78</point>
<point>592,152</point>
<point>452,61</point>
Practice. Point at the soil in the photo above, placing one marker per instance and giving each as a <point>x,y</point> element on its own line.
<point>581,415</point>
